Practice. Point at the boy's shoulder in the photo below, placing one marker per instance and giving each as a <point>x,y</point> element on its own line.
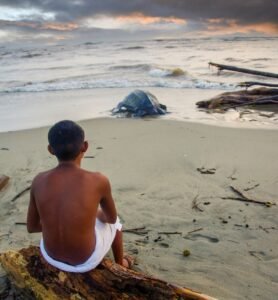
<point>95,175</point>
<point>40,176</point>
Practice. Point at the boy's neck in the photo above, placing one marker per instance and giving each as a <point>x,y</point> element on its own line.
<point>69,163</point>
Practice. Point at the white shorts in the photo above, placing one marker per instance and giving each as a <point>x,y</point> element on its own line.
<point>105,234</point>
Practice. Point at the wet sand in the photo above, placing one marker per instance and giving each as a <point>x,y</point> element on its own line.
<point>153,168</point>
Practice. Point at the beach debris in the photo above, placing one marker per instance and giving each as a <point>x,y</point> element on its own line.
<point>238,225</point>
<point>32,275</point>
<point>28,188</point>
<point>195,205</point>
<point>266,229</point>
<point>3,181</point>
<point>139,103</point>
<point>138,230</point>
<point>243,198</point>
<point>20,223</point>
<point>89,156</point>
<point>99,148</point>
<point>251,188</point>
<point>221,67</point>
<point>5,149</point>
<point>255,254</point>
<point>204,170</point>
<point>158,239</point>
<point>195,230</point>
<point>169,232</point>
<point>186,252</point>
<point>229,100</point>
<point>141,242</point>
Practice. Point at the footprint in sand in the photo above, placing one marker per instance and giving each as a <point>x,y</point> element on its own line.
<point>197,236</point>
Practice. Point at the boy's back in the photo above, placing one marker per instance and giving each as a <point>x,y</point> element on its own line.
<point>67,200</point>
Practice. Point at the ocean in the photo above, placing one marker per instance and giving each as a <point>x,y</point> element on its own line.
<point>42,84</point>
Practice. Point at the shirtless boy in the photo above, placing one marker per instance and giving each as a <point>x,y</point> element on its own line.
<point>74,208</point>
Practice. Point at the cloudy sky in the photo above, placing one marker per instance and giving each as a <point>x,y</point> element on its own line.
<point>54,20</point>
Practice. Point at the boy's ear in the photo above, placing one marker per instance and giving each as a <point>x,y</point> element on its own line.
<point>50,150</point>
<point>85,147</point>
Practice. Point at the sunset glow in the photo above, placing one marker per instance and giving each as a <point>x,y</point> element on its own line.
<point>80,19</point>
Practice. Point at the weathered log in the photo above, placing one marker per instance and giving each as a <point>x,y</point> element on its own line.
<point>229,100</point>
<point>3,181</point>
<point>34,278</point>
<point>243,70</point>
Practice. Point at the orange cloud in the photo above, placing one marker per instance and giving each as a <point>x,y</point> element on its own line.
<point>142,19</point>
<point>231,26</point>
<point>41,26</point>
<point>59,26</point>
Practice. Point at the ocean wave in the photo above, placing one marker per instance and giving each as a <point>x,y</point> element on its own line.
<point>144,67</point>
<point>30,55</point>
<point>114,83</point>
<point>133,48</point>
<point>156,72</point>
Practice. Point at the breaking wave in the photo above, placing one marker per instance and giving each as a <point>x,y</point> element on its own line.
<point>152,70</point>
<point>114,83</point>
<point>156,72</point>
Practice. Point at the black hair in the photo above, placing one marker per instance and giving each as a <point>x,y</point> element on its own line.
<point>66,139</point>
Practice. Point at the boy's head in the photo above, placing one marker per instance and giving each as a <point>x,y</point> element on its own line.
<point>66,140</point>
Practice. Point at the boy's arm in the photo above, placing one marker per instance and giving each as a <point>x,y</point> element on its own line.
<point>33,217</point>
<point>108,214</point>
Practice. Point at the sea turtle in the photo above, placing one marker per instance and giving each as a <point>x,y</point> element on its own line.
<point>140,103</point>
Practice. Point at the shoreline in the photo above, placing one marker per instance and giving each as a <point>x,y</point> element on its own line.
<point>25,111</point>
<point>152,165</point>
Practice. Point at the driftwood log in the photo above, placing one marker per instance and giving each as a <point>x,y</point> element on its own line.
<point>33,278</point>
<point>243,70</point>
<point>254,97</point>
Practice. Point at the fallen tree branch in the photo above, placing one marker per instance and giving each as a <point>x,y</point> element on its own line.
<point>195,230</point>
<point>169,232</point>
<point>139,230</point>
<point>243,70</point>
<point>247,84</point>
<point>252,187</point>
<point>243,198</point>
<point>33,278</point>
<point>21,193</point>
<point>20,223</point>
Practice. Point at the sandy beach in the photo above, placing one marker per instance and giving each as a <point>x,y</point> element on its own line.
<point>153,168</point>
